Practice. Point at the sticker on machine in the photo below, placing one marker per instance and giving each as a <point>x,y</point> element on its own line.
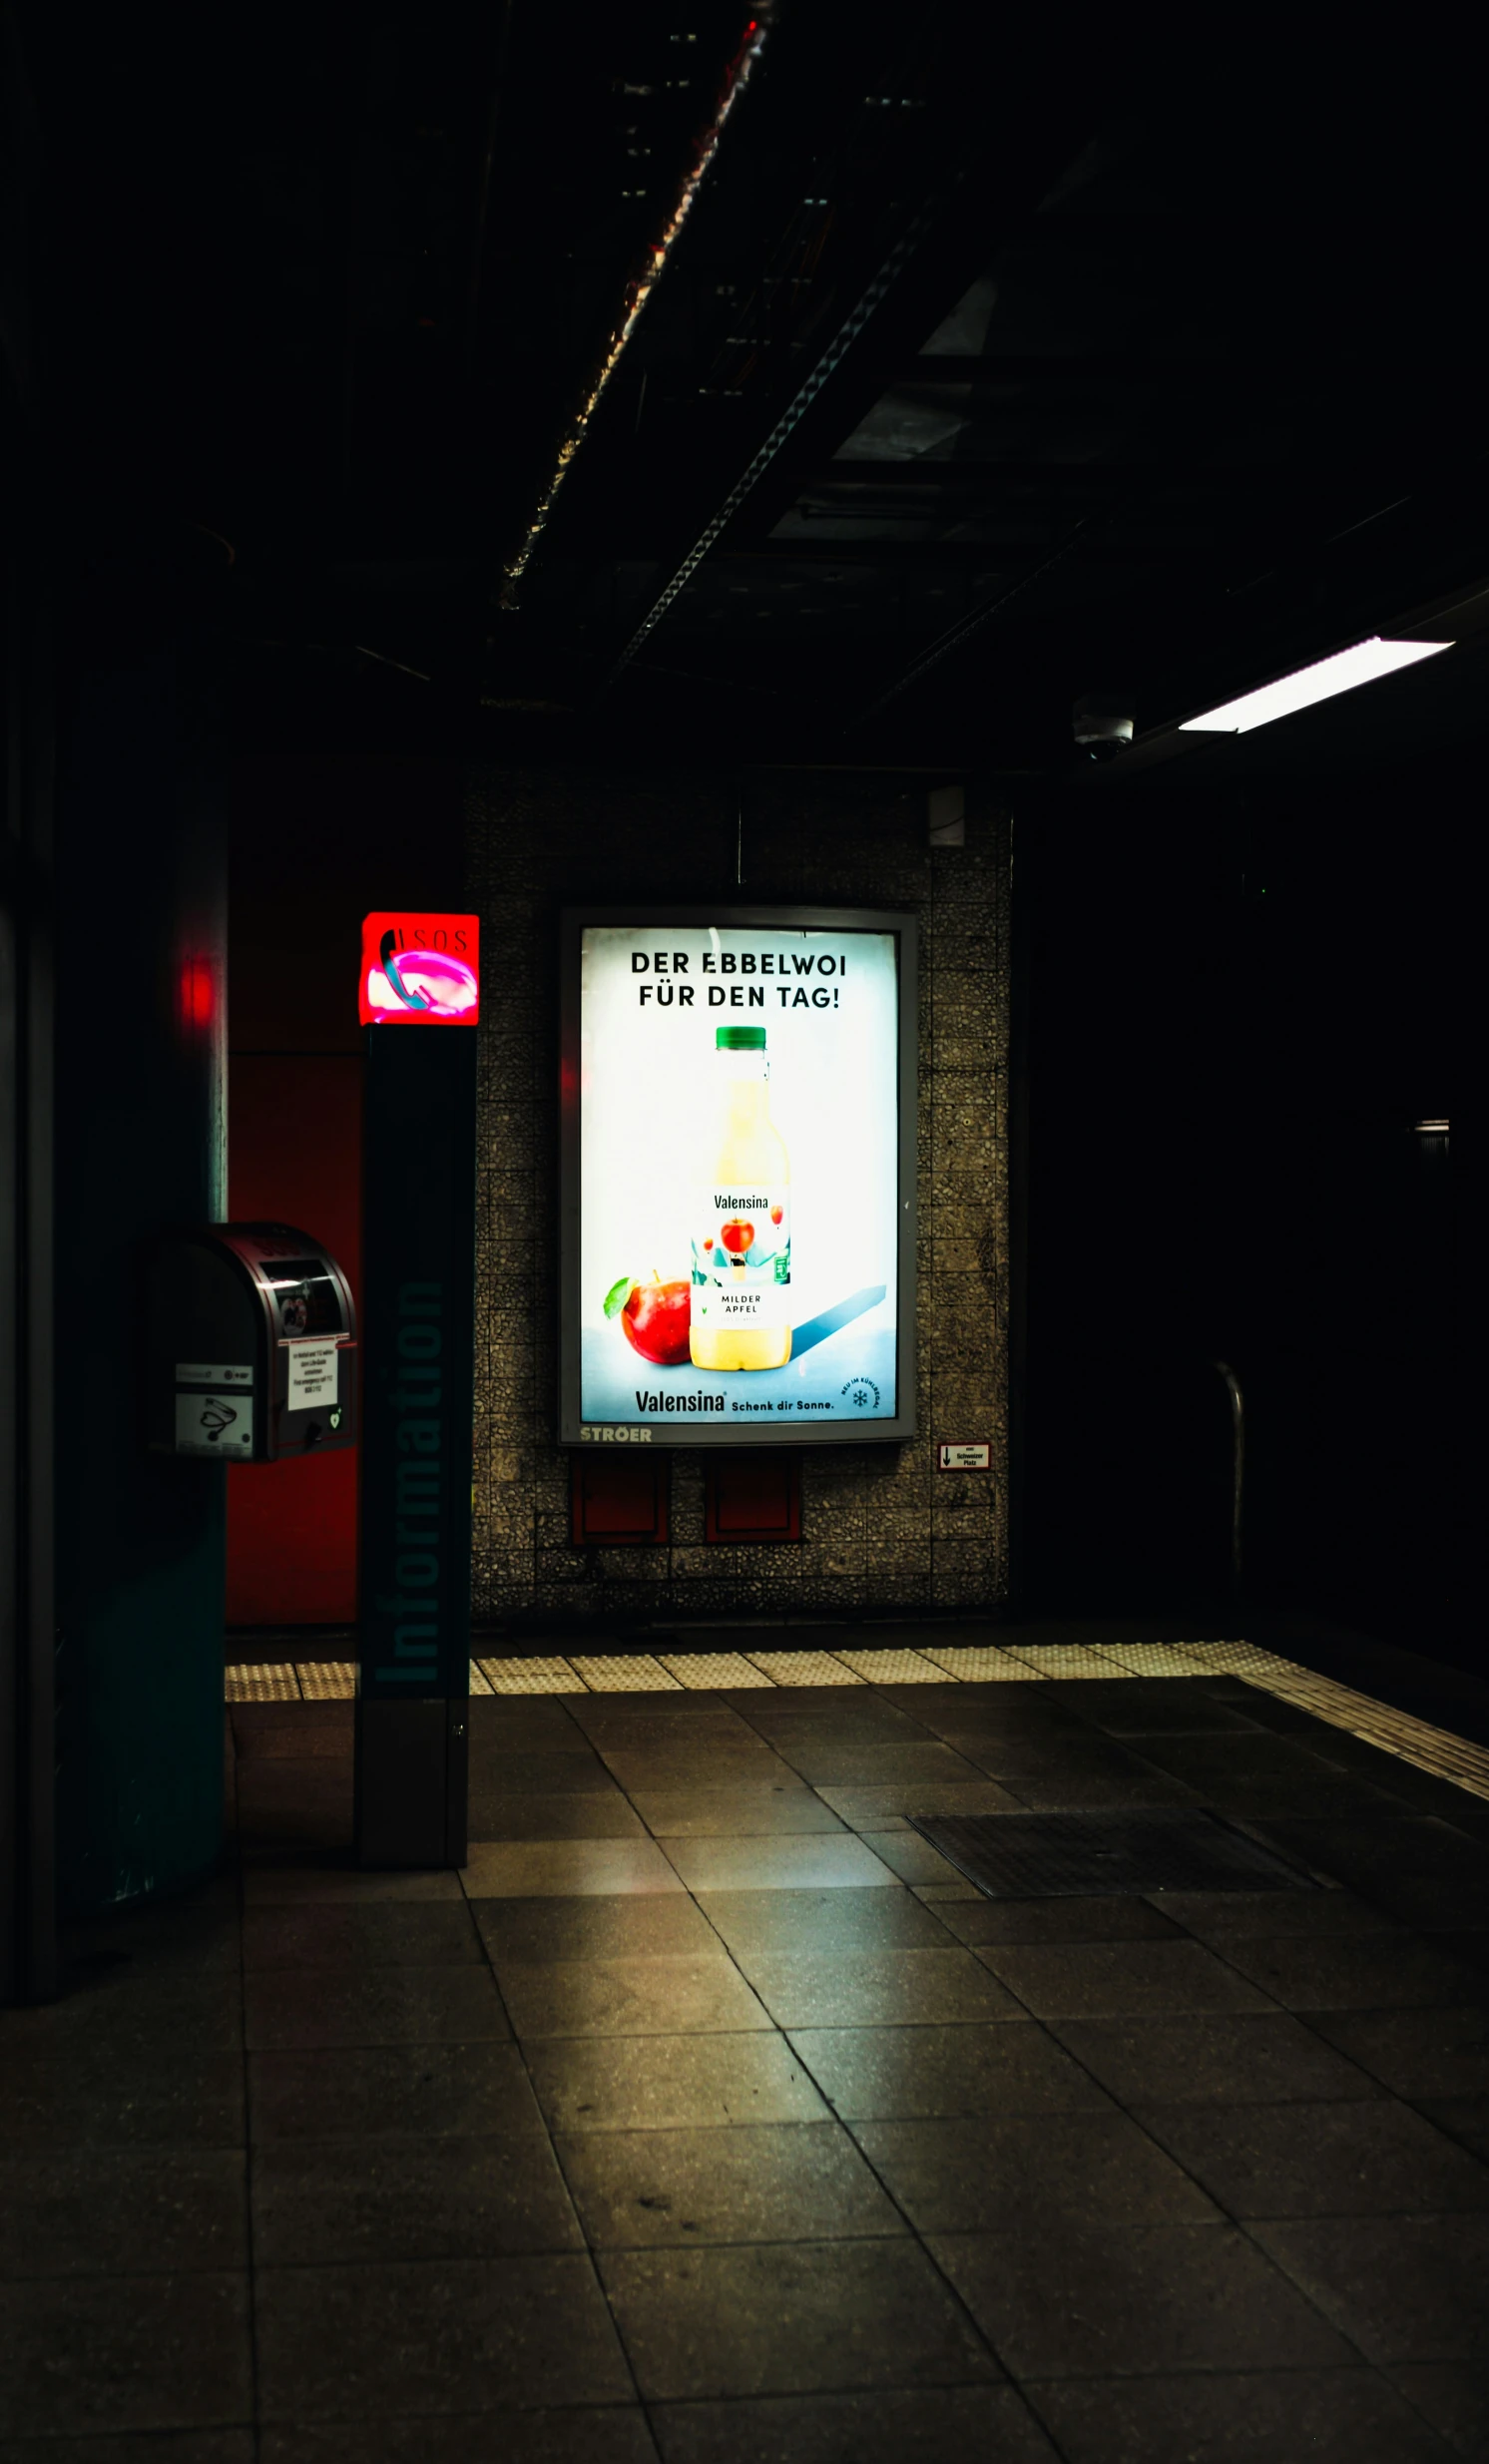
<point>215,1424</point>
<point>312,1375</point>
<point>210,1374</point>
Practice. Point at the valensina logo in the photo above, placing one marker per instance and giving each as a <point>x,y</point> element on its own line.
<point>673,1402</point>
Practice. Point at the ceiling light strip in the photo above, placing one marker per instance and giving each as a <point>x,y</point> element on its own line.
<point>1343,672</point>
<point>639,290</point>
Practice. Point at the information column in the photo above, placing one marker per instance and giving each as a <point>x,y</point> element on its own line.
<point>414,1692</point>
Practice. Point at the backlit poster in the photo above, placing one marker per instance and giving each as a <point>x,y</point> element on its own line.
<point>739,1176</point>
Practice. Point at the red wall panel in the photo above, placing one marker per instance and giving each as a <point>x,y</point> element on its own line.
<point>317,842</point>
<point>296,1153</point>
<point>751,1496</point>
<point>618,1499</point>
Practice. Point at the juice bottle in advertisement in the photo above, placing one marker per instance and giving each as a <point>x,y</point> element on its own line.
<point>742,1232</point>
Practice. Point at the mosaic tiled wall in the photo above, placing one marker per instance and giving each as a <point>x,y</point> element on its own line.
<point>882,1528</point>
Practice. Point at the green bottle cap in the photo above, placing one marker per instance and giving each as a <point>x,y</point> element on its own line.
<point>740,1039</point>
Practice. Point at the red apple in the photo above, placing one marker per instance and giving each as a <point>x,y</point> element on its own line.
<point>656,1317</point>
<point>775,1213</point>
<point>737,1237</point>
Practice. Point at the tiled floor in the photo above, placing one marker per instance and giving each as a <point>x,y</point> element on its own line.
<point>709,2116</point>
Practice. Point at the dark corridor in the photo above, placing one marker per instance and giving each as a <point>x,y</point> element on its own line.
<point>1240,1009</point>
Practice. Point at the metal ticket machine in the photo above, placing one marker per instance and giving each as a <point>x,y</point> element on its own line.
<point>252,1345</point>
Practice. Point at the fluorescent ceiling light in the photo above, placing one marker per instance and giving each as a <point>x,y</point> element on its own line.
<point>1341,673</point>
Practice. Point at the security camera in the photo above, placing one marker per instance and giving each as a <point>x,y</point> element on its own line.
<point>1102,724</point>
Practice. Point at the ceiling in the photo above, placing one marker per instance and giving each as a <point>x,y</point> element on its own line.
<point>983,370</point>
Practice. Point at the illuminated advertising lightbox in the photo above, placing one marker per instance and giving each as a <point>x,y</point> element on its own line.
<point>739,1176</point>
<point>420,970</point>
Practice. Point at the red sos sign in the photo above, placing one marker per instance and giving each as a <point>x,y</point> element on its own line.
<point>420,970</point>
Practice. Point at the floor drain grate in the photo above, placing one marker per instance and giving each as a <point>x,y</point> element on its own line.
<point>1098,1856</point>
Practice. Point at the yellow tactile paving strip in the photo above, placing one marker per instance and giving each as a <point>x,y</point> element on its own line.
<point>326,1681</point>
<point>892,1668</point>
<point>1429,1749</point>
<point>530,1677</point>
<point>619,1676</point>
<point>1054,1660</point>
<point>707,1672</point>
<point>805,1667</point>
<point>265,1680</point>
<point>982,1666</point>
<point>1154,1658</point>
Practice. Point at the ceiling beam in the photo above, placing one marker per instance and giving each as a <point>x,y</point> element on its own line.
<point>765,559</point>
<point>943,240</point>
<point>1247,372</point>
<point>988,478</point>
<point>846,350</point>
<point>768,556</point>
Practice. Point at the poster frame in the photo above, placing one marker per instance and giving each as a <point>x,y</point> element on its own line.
<point>573,923</point>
